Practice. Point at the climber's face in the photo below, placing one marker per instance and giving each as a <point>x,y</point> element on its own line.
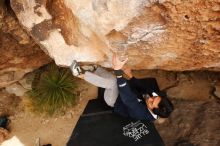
<point>153,102</point>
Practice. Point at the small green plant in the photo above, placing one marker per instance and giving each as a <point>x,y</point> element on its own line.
<point>53,90</point>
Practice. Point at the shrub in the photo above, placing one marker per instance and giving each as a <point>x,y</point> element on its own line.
<point>53,90</point>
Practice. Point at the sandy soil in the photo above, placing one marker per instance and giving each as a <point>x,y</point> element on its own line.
<point>56,130</point>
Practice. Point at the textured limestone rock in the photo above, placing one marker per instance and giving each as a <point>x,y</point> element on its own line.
<point>217,91</point>
<point>192,123</point>
<point>197,90</point>
<point>16,89</point>
<point>4,134</point>
<point>26,81</point>
<point>19,54</point>
<point>9,103</point>
<point>155,34</point>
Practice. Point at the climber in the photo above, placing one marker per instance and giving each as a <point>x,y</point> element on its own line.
<point>129,98</point>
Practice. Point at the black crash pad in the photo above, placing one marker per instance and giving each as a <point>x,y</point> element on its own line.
<point>98,126</point>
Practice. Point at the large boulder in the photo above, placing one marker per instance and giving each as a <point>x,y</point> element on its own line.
<point>192,123</point>
<point>19,53</point>
<point>155,34</point>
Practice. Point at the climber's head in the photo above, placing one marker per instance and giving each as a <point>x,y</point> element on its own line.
<point>160,105</point>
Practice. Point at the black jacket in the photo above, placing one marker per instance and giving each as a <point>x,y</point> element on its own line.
<point>127,104</point>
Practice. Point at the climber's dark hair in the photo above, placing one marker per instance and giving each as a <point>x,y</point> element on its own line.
<point>165,106</point>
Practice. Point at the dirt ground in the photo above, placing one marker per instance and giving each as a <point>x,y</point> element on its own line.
<point>28,127</point>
